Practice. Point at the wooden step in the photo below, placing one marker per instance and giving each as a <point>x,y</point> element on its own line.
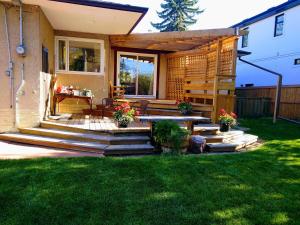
<point>231,135</point>
<point>234,144</point>
<point>129,149</point>
<point>244,141</point>
<point>74,128</point>
<point>54,142</point>
<point>87,137</point>
<point>206,129</point>
<point>222,147</point>
<point>213,138</point>
<point>60,143</point>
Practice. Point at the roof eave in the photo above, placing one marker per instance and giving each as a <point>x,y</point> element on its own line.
<point>107,5</point>
<point>268,13</point>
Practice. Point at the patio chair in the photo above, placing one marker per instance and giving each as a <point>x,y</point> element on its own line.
<point>107,106</point>
<point>116,91</point>
<point>143,107</point>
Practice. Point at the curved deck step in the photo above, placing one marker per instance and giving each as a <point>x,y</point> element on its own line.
<point>88,137</point>
<point>54,142</point>
<point>233,145</point>
<point>60,143</point>
<point>75,128</point>
<point>129,149</point>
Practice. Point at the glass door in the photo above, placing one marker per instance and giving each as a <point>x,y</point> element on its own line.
<point>137,72</point>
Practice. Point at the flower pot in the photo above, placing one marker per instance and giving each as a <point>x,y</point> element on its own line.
<point>186,112</point>
<point>166,148</point>
<point>122,125</point>
<point>224,127</point>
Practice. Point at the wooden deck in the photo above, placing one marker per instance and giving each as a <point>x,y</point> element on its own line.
<point>97,123</point>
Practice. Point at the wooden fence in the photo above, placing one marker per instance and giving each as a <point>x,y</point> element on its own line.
<point>289,105</point>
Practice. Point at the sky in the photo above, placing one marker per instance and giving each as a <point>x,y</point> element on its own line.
<point>217,14</point>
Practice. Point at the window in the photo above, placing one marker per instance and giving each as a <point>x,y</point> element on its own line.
<point>79,56</point>
<point>137,72</point>
<point>45,60</point>
<point>245,38</point>
<point>279,22</point>
<point>297,61</point>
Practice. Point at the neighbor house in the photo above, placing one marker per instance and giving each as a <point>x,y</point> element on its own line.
<point>273,40</point>
<point>86,46</point>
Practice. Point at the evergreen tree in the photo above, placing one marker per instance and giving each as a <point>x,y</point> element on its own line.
<point>177,15</point>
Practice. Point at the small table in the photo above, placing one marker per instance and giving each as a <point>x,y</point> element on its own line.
<point>189,120</point>
<point>58,98</point>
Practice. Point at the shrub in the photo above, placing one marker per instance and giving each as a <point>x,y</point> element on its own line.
<point>169,134</point>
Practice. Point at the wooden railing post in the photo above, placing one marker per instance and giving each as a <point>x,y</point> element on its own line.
<point>216,80</point>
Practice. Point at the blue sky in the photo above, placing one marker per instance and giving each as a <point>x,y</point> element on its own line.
<point>218,13</point>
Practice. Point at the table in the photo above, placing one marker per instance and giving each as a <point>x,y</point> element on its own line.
<point>189,120</point>
<point>58,98</point>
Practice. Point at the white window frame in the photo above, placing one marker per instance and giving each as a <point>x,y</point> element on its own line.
<point>67,40</point>
<point>155,73</point>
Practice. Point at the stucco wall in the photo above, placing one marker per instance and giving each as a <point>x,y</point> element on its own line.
<point>46,41</point>
<point>28,102</point>
<point>98,84</point>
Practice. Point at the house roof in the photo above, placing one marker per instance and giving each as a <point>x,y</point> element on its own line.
<point>268,13</point>
<point>90,16</point>
<point>171,41</point>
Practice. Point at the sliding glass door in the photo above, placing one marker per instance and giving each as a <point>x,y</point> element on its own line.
<point>137,72</point>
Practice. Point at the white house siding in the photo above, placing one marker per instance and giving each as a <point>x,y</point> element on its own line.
<point>275,53</point>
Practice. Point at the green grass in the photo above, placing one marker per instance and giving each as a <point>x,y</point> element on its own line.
<point>258,187</point>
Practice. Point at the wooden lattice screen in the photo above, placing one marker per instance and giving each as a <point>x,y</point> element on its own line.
<point>205,76</point>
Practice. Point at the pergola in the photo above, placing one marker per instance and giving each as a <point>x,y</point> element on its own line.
<point>201,64</point>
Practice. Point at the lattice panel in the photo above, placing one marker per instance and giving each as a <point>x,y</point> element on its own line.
<point>204,75</point>
<point>175,77</point>
<point>226,62</point>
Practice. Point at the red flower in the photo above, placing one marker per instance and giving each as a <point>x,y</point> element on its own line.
<point>222,112</point>
<point>233,115</point>
<point>118,108</point>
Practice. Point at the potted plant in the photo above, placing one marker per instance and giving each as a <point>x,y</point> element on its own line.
<point>124,114</point>
<point>171,137</point>
<point>185,107</point>
<point>227,120</point>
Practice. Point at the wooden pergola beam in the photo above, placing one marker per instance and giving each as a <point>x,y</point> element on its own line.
<point>171,41</point>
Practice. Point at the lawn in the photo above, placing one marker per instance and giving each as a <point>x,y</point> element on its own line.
<point>258,187</point>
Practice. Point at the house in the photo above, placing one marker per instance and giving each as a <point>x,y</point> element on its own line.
<point>273,39</point>
<point>48,45</point>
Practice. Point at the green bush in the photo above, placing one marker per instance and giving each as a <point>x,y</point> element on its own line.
<point>168,133</point>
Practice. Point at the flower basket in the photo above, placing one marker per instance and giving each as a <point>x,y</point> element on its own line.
<point>227,120</point>
<point>185,107</point>
<point>124,115</point>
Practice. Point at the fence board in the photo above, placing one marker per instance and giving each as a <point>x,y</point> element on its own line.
<point>290,99</point>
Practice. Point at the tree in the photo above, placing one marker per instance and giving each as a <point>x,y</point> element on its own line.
<point>177,15</point>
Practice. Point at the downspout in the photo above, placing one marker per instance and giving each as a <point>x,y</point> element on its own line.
<point>278,88</point>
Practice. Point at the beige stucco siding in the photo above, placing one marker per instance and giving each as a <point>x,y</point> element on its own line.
<point>46,41</point>
<point>27,102</point>
<point>97,83</point>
